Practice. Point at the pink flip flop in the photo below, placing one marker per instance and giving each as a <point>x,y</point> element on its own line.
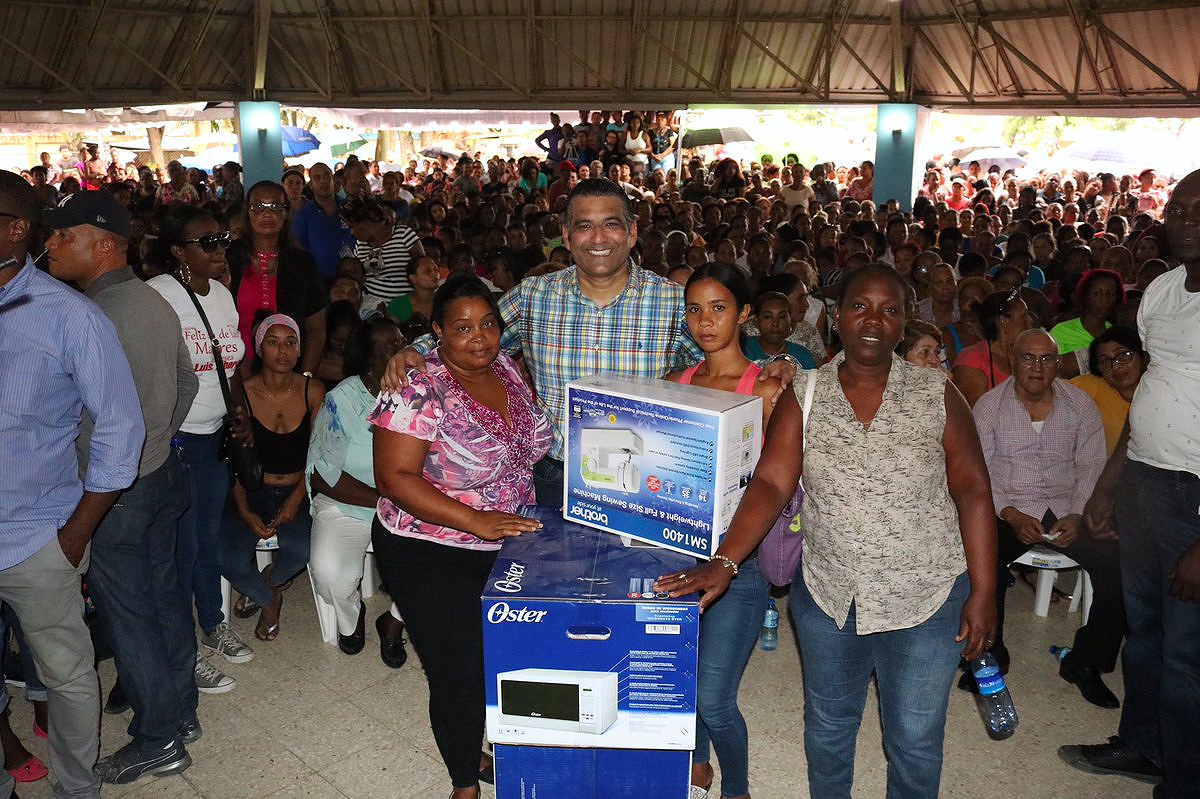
<point>33,770</point>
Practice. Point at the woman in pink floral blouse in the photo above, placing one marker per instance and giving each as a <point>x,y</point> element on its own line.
<point>454,453</point>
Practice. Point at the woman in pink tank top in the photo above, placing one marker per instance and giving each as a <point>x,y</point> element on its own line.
<point>716,303</point>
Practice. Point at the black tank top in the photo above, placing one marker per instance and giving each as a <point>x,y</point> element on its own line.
<point>282,453</point>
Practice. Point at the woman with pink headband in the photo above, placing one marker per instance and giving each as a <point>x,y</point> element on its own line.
<point>282,405</point>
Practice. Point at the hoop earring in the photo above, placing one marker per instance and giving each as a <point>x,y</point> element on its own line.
<point>185,273</point>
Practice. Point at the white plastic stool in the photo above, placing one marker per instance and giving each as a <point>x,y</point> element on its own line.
<point>326,617</point>
<point>1049,562</point>
<point>263,551</point>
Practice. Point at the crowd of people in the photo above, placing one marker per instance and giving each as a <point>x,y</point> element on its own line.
<point>379,358</point>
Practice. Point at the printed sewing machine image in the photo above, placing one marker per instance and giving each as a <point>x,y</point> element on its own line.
<point>608,458</point>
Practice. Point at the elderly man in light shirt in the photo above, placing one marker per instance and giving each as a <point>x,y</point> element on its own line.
<point>1044,446</point>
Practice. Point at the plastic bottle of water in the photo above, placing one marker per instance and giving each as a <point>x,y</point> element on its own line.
<point>768,637</point>
<point>996,704</point>
<point>1060,652</point>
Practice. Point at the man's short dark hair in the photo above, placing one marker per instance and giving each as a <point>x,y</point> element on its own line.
<point>601,187</point>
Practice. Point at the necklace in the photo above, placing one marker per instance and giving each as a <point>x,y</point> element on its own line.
<point>278,401</point>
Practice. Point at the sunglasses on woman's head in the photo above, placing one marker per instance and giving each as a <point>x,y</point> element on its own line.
<point>212,241</point>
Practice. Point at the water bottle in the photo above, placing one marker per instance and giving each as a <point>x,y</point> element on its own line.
<point>1060,652</point>
<point>995,703</point>
<point>768,637</point>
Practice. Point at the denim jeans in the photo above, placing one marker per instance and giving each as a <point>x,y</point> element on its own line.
<point>141,606</point>
<point>1158,520</point>
<point>207,477</point>
<point>548,482</point>
<point>35,691</point>
<point>728,631</point>
<point>914,668</point>
<point>237,543</point>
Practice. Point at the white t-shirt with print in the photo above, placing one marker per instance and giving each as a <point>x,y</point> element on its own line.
<point>208,408</point>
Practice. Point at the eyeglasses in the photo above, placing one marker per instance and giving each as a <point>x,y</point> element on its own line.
<point>1028,359</point>
<point>212,241</point>
<point>273,208</point>
<point>1122,357</point>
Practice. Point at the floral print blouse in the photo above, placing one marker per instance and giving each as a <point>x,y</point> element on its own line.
<point>474,457</point>
<point>881,529</point>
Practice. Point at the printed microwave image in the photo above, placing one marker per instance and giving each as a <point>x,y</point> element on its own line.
<point>558,699</point>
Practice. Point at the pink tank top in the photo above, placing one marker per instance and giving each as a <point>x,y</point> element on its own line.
<point>744,386</point>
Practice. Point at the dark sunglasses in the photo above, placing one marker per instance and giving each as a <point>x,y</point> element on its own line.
<point>212,241</point>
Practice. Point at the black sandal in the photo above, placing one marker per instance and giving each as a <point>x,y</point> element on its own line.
<point>245,607</point>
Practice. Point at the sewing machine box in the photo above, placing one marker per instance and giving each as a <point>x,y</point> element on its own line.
<point>527,772</point>
<point>661,462</point>
<point>579,650</point>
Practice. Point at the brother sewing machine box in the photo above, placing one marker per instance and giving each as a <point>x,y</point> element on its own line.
<point>661,462</point>
<point>528,772</point>
<point>579,650</point>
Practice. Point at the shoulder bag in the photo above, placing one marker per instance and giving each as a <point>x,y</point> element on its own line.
<point>780,551</point>
<point>244,464</point>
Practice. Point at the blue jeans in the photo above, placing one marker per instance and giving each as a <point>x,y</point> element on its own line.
<point>548,482</point>
<point>1157,519</point>
<point>35,691</point>
<point>237,543</point>
<point>141,606</point>
<point>914,668</point>
<point>728,630</point>
<point>207,477</point>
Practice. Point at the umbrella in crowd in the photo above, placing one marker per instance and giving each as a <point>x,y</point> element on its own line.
<point>439,152</point>
<point>1002,157</point>
<point>298,141</point>
<point>1119,154</point>
<point>702,137</point>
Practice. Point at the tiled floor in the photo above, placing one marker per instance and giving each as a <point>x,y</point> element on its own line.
<point>307,721</point>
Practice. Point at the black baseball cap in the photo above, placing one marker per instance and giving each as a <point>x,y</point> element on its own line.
<point>97,208</point>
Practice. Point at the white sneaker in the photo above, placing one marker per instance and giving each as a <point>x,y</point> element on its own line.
<point>229,644</point>
<point>210,680</point>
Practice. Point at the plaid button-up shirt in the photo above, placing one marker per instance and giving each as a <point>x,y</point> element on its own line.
<point>564,336</point>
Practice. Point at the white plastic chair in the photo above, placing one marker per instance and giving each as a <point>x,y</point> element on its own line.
<point>1049,562</point>
<point>263,551</point>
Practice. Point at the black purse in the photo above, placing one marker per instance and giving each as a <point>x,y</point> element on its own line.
<point>244,464</point>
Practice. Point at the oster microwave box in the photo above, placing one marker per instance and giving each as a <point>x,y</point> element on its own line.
<point>661,462</point>
<point>528,772</point>
<point>579,650</point>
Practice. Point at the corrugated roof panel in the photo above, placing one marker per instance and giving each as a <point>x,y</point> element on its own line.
<point>682,54</point>
<point>1051,44</point>
<point>588,55</point>
<point>793,45</point>
<point>1167,38</point>
<point>872,44</point>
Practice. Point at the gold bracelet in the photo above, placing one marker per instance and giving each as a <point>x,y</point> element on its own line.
<point>727,562</point>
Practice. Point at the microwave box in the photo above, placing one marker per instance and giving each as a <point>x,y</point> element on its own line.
<point>527,772</point>
<point>661,462</point>
<point>579,651</point>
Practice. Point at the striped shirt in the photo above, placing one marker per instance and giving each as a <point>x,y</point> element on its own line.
<point>1032,470</point>
<point>564,336</point>
<point>386,264</point>
<point>59,354</point>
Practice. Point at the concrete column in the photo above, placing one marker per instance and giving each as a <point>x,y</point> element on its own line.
<point>899,130</point>
<point>260,142</point>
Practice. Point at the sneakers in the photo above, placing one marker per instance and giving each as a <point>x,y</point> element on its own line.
<point>1114,757</point>
<point>128,764</point>
<point>224,640</point>
<point>210,680</point>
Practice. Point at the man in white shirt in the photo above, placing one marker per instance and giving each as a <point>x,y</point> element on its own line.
<point>1152,482</point>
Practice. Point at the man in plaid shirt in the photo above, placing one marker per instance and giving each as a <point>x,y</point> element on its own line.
<point>602,314</point>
